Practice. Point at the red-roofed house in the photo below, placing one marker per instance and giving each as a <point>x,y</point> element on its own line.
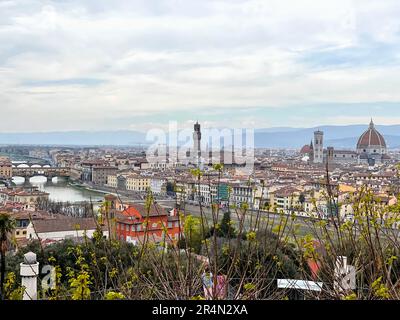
<point>131,224</point>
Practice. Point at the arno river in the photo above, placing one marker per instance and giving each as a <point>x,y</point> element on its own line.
<point>60,190</point>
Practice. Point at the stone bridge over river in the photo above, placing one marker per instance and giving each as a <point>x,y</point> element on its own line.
<point>48,172</point>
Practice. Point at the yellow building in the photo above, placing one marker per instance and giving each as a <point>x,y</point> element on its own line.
<point>21,219</point>
<point>112,181</point>
<point>285,199</point>
<point>346,188</point>
<point>5,168</point>
<point>137,183</point>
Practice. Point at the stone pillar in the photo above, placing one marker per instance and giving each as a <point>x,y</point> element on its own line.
<point>29,271</point>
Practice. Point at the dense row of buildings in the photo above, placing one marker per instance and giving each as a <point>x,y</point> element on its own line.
<point>285,182</point>
<point>126,221</point>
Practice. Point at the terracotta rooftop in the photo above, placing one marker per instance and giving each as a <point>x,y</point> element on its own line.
<point>67,224</point>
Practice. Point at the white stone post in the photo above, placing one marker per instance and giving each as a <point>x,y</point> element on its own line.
<point>345,275</point>
<point>29,271</point>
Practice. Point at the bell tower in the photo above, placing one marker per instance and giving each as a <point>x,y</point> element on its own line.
<point>197,144</point>
<point>318,147</point>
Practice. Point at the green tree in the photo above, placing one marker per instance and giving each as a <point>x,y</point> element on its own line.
<point>226,229</point>
<point>193,234</point>
<point>6,227</point>
<point>302,198</point>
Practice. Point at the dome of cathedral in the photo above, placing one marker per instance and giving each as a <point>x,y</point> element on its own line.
<point>306,149</point>
<point>371,139</point>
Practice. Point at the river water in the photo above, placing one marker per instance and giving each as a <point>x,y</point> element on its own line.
<point>60,190</point>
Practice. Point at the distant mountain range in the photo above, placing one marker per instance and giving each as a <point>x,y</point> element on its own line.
<point>124,137</point>
<point>280,137</point>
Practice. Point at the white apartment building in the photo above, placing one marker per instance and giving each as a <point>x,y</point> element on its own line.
<point>242,193</point>
<point>158,185</point>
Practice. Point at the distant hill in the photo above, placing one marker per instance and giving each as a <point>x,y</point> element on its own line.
<point>393,142</point>
<point>125,137</point>
<point>279,137</point>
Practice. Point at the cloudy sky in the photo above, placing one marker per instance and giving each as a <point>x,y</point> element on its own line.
<point>135,64</point>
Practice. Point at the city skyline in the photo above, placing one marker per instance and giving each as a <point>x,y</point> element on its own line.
<point>210,151</point>
<point>133,64</point>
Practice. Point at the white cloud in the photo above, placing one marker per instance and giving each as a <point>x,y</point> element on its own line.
<point>149,56</point>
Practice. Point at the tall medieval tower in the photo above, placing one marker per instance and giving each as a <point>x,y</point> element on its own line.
<point>318,147</point>
<point>197,144</point>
